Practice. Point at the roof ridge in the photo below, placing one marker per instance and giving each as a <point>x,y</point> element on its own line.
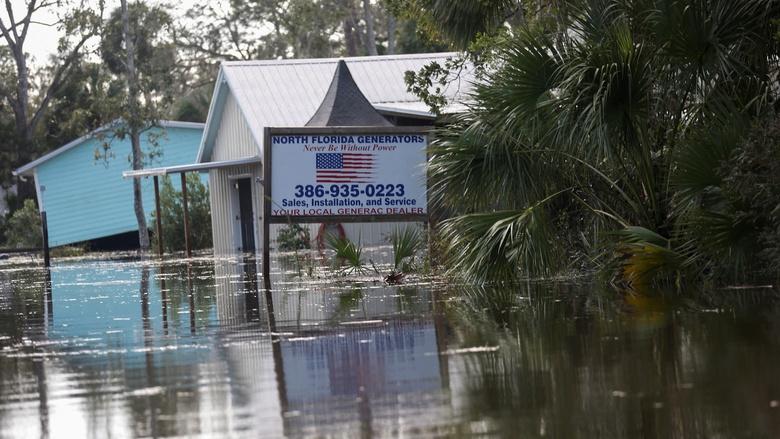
<point>361,59</point>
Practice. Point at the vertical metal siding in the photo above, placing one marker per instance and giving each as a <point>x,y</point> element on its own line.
<point>222,215</point>
<point>234,139</point>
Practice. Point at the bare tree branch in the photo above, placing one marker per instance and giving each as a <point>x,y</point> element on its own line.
<point>58,79</point>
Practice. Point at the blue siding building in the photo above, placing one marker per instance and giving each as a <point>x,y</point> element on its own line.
<point>86,198</point>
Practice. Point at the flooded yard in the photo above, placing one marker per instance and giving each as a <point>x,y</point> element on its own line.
<point>118,348</point>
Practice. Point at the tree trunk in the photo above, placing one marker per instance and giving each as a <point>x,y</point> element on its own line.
<point>348,27</point>
<point>391,25</point>
<point>134,125</point>
<point>24,131</point>
<point>368,16</point>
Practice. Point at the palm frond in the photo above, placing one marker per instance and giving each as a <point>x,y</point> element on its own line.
<point>500,246</point>
<point>347,251</point>
<point>406,244</point>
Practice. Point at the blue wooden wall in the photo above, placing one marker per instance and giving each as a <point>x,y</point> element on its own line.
<point>87,199</point>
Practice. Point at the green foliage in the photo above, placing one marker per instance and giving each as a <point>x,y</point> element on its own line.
<point>172,214</point>
<point>406,244</point>
<point>23,229</point>
<point>293,237</point>
<point>457,21</point>
<point>750,198</point>
<point>155,52</point>
<point>628,112</point>
<point>193,107</point>
<point>347,252</point>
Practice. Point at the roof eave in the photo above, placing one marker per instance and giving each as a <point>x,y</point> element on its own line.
<point>27,170</point>
<point>216,107</point>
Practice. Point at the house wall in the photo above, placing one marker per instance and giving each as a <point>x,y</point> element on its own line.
<point>88,199</point>
<point>233,141</point>
<point>223,216</point>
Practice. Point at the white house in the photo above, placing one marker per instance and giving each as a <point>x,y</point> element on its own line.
<point>252,95</point>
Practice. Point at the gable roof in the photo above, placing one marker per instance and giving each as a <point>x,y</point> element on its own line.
<point>345,105</point>
<point>286,93</point>
<point>29,167</point>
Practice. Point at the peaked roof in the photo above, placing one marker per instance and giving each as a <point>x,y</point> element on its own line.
<point>345,105</point>
<point>29,167</point>
<point>286,93</point>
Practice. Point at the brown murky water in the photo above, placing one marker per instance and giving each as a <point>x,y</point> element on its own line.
<point>128,348</point>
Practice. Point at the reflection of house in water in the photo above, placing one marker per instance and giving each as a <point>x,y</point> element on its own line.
<point>354,350</point>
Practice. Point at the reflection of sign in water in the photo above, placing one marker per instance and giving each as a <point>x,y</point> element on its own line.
<point>316,173</point>
<point>399,358</point>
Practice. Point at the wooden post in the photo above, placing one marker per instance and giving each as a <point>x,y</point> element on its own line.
<point>267,209</point>
<point>157,216</point>
<point>186,214</point>
<point>45,233</point>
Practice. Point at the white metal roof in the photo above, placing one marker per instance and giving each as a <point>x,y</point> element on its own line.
<point>286,93</point>
<point>166,170</point>
<point>28,168</point>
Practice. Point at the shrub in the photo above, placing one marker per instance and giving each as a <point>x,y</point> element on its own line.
<point>172,214</point>
<point>751,188</point>
<point>293,237</point>
<point>23,229</point>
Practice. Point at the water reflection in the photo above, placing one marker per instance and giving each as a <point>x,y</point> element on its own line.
<point>140,348</point>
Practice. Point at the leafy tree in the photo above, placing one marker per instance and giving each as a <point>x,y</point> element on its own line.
<point>172,214</point>
<point>17,87</point>
<point>599,134</point>
<point>134,46</point>
<point>274,29</point>
<point>90,98</point>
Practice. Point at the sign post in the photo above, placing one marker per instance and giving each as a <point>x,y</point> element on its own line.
<point>343,174</point>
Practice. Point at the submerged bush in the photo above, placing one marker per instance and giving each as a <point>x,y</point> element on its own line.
<point>23,228</point>
<point>347,252</point>
<point>406,242</point>
<point>172,214</point>
<point>293,237</point>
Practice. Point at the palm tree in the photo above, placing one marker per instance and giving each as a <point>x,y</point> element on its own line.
<point>603,140</point>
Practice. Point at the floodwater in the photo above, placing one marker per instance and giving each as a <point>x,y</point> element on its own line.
<point>126,348</point>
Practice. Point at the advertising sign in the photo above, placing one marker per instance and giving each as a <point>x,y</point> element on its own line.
<point>348,174</point>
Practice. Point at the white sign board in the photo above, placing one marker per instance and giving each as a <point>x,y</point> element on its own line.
<point>322,175</point>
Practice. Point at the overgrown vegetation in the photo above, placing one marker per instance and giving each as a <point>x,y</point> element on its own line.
<point>172,214</point>
<point>633,138</point>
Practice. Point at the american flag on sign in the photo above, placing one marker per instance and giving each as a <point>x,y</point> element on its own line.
<point>346,167</point>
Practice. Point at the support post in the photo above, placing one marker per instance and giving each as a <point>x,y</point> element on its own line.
<point>45,233</point>
<point>186,214</point>
<point>266,209</point>
<point>159,231</point>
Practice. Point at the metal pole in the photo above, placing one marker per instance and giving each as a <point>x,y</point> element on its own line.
<point>157,216</point>
<point>266,209</point>
<point>45,233</point>
<point>186,214</point>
